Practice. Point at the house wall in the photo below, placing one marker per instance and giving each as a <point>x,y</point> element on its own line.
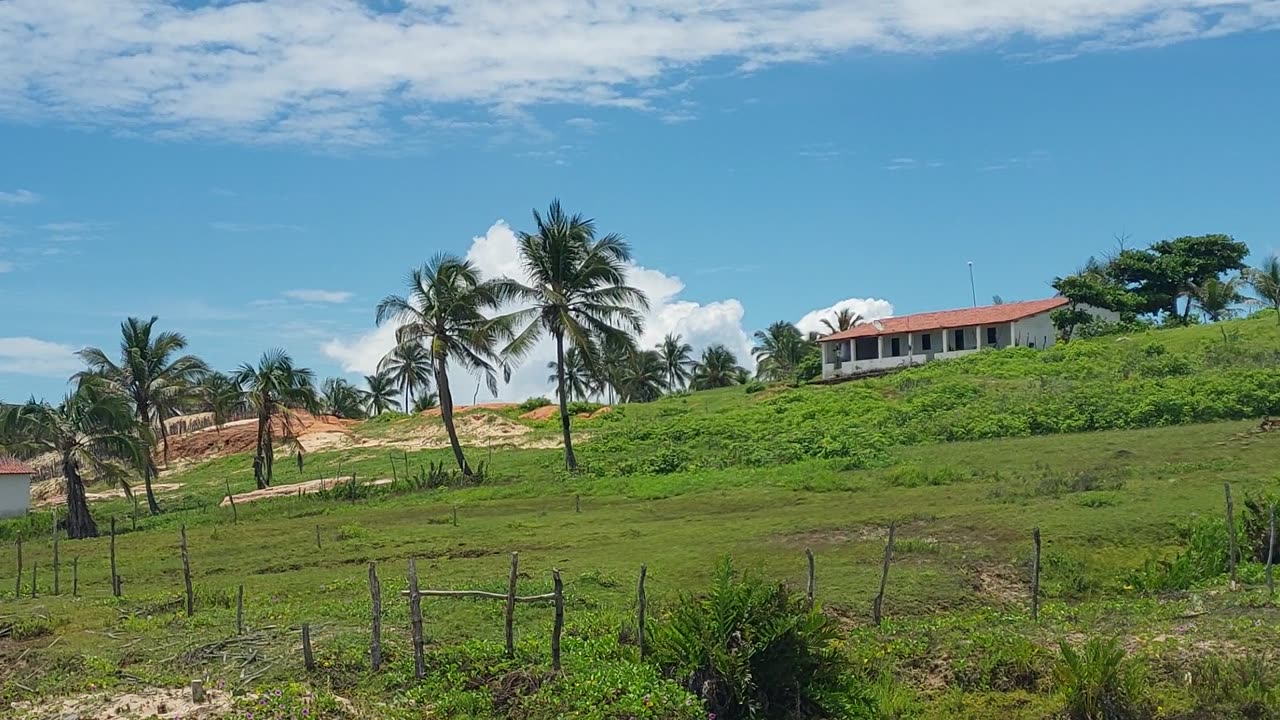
<point>15,495</point>
<point>1038,330</point>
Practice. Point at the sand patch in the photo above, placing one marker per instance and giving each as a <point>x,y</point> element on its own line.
<point>303,488</point>
<point>546,412</point>
<point>1001,583</point>
<point>460,409</point>
<point>44,499</point>
<point>156,703</point>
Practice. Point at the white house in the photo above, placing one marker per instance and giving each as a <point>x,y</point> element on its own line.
<point>914,339</point>
<point>15,487</point>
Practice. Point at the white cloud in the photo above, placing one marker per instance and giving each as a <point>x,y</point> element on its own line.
<point>29,356</point>
<point>19,196</point>
<point>237,227</point>
<point>866,308</point>
<point>319,296</point>
<point>495,254</point>
<point>344,72</point>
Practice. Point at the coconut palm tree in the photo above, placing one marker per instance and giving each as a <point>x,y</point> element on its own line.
<point>643,377</point>
<point>677,357</point>
<point>1265,281</point>
<point>380,392</point>
<point>1216,299</point>
<point>843,319</point>
<point>578,292</point>
<point>424,402</point>
<point>94,429</point>
<point>221,396</point>
<point>272,388</point>
<point>779,349</point>
<point>718,367</point>
<point>577,379</point>
<point>152,377</point>
<point>612,354</point>
<point>409,365</point>
<point>338,397</point>
<point>446,309</point>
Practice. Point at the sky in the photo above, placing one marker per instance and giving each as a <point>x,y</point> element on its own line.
<point>259,174</point>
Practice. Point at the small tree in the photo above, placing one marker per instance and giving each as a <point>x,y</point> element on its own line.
<point>1265,281</point>
<point>271,388</point>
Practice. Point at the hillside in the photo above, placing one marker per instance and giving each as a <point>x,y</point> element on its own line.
<point>1131,517</point>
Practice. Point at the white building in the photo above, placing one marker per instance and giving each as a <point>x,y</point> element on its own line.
<point>15,487</point>
<point>914,339</point>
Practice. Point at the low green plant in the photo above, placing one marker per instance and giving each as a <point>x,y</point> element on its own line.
<point>292,701</point>
<point>1241,687</point>
<point>753,387</point>
<point>534,403</point>
<point>1204,558</point>
<point>748,648</point>
<point>1100,681</point>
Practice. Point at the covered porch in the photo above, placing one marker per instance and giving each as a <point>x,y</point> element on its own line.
<point>871,353</point>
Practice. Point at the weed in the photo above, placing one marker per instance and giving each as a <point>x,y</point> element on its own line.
<point>1240,687</point>
<point>1101,682</point>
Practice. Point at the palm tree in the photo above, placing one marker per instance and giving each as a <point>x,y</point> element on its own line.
<point>612,354</point>
<point>676,358</point>
<point>844,319</point>
<point>446,308</point>
<point>577,379</point>
<point>717,368</point>
<point>1265,281</point>
<point>380,394</point>
<point>338,397</point>
<point>1215,298</point>
<point>271,389</point>
<point>779,349</point>
<point>643,377</point>
<point>95,429</point>
<point>221,396</point>
<point>424,402</point>
<point>150,375</point>
<point>578,293</point>
<point>409,365</point>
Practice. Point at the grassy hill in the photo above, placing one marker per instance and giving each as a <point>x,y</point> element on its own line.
<point>678,484</point>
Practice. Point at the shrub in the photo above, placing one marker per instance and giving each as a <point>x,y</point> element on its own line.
<point>1101,682</point>
<point>1242,687</point>
<point>288,702</point>
<point>1255,539</point>
<point>578,407</point>
<point>753,387</point>
<point>534,403</point>
<point>749,649</point>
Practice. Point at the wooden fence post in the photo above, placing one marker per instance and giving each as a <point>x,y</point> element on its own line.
<point>455,516</point>
<point>559,623</point>
<point>1035,577</point>
<point>395,476</point>
<point>877,607</point>
<point>17,591</point>
<point>511,605</point>
<point>240,610</point>
<point>57,564</point>
<point>1231,534</point>
<point>577,503</point>
<point>415,621</point>
<point>1271,549</point>
<point>317,537</point>
<point>235,514</point>
<point>115,577</point>
<point>308,659</point>
<point>186,571</point>
<point>812,586</point>
<point>375,593</point>
<point>642,602</point>
<point>135,513</point>
<point>75,576</point>
<point>34,564</point>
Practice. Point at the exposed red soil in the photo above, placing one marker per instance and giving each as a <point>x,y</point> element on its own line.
<point>459,409</point>
<point>242,436</point>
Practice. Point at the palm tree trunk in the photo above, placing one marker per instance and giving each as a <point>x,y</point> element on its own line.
<point>79,520</point>
<point>268,456</point>
<point>164,436</point>
<point>259,460</point>
<point>148,464</point>
<point>407,408</point>
<point>446,414</point>
<point>570,461</point>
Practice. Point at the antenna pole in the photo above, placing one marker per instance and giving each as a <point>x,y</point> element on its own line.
<point>973,289</point>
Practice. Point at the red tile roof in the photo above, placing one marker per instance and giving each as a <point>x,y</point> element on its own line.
<point>988,315</point>
<point>13,466</point>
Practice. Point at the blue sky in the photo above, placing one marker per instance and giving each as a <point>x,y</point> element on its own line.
<point>259,174</point>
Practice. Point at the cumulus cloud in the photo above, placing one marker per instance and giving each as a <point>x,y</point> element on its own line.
<point>495,253</point>
<point>344,72</point>
<point>319,296</point>
<point>19,196</point>
<point>866,308</point>
<point>29,356</point>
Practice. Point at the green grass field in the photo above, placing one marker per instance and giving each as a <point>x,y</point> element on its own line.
<point>679,484</point>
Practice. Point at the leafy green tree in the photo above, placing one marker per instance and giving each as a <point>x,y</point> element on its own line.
<point>338,397</point>
<point>1265,281</point>
<point>272,388</point>
<point>94,429</point>
<point>643,377</point>
<point>718,367</point>
<point>578,292</point>
<point>577,378</point>
<point>844,319</point>
<point>446,310</point>
<point>150,375</point>
<point>677,359</point>
<point>1170,270</point>
<point>779,350</point>
<point>220,395</point>
<point>409,366</point>
<point>379,393</point>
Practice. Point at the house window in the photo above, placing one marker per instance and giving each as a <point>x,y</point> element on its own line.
<point>959,343</point>
<point>866,348</point>
<point>895,347</point>
<point>926,342</point>
<point>991,336</point>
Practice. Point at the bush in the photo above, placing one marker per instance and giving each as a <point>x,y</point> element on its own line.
<point>1101,682</point>
<point>534,403</point>
<point>1242,687</point>
<point>753,387</point>
<point>577,407</point>
<point>751,649</point>
<point>1204,558</point>
<point>1255,540</point>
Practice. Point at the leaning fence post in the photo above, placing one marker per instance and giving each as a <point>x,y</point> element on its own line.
<point>1231,533</point>
<point>307,658</point>
<point>115,577</point>
<point>17,591</point>
<point>1035,577</point>
<point>559,624</point>
<point>1271,549</point>
<point>455,516</point>
<point>75,576</point>
<point>415,621</point>
<point>235,515</point>
<point>375,593</point>
<point>186,571</point>
<point>240,610</point>
<point>511,605</point>
<point>642,602</point>
<point>577,503</point>
<point>812,586</point>
<point>317,537</point>
<point>57,564</point>
<point>877,607</point>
